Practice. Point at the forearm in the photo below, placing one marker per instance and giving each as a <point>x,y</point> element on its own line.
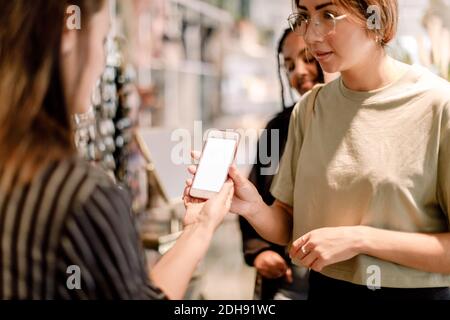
<point>175,269</point>
<point>273,223</point>
<point>426,252</point>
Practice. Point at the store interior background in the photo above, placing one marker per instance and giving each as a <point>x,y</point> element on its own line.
<point>179,67</point>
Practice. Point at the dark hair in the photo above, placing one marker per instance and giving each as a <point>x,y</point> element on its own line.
<point>35,125</point>
<point>320,76</point>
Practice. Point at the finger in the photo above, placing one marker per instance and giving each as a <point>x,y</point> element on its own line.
<point>318,265</point>
<point>226,193</point>
<point>192,170</point>
<point>280,269</point>
<point>301,241</point>
<point>189,182</point>
<point>187,199</point>
<point>309,259</point>
<point>272,273</point>
<point>195,155</point>
<point>266,273</point>
<point>276,264</point>
<point>297,245</point>
<point>279,263</point>
<point>230,196</point>
<point>304,250</point>
<point>288,276</point>
<point>186,190</point>
<point>236,176</point>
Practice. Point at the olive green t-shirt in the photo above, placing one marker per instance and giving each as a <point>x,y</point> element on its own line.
<point>379,159</point>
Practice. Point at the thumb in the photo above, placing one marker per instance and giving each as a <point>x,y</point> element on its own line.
<point>288,276</point>
<point>226,193</point>
<point>238,179</point>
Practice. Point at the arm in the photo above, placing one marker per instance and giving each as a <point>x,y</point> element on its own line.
<point>273,223</point>
<point>427,252</point>
<point>323,247</point>
<point>174,271</point>
<point>253,244</point>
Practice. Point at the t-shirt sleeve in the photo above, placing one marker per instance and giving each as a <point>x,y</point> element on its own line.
<point>100,238</point>
<point>444,164</point>
<point>284,182</point>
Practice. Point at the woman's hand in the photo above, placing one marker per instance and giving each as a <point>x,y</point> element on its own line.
<point>201,220</point>
<point>272,266</point>
<point>212,212</point>
<point>246,197</point>
<point>323,247</point>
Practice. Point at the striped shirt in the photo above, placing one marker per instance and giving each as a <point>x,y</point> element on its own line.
<point>69,234</point>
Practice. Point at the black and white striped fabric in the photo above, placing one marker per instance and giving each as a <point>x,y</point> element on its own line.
<point>70,217</point>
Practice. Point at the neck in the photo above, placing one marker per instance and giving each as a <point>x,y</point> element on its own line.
<point>374,72</point>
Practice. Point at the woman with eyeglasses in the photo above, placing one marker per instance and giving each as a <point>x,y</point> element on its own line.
<point>363,190</point>
<point>66,230</point>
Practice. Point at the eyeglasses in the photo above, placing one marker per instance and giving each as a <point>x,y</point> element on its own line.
<point>324,23</point>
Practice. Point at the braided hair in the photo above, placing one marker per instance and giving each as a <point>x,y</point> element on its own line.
<point>320,77</point>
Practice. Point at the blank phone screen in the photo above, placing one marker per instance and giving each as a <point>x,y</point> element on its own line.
<point>213,169</point>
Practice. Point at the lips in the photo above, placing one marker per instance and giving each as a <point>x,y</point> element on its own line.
<point>322,55</point>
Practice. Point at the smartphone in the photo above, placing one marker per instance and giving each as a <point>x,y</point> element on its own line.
<point>219,152</point>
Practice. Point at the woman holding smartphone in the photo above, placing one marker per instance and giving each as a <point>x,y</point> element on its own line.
<point>58,215</point>
<point>362,194</point>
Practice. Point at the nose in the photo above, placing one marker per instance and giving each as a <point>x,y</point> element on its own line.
<point>312,36</point>
<point>300,67</point>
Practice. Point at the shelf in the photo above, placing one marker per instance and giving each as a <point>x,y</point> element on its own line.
<point>207,10</point>
<point>189,67</point>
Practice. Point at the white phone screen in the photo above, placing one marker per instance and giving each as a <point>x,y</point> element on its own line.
<point>213,169</point>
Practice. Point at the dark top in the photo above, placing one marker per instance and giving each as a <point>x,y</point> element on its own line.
<point>253,244</point>
<point>71,214</point>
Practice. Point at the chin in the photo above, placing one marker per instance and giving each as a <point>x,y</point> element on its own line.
<point>330,67</point>
<point>304,90</point>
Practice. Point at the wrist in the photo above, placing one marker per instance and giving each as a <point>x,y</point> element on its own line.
<point>203,230</point>
<point>363,239</point>
<point>254,208</point>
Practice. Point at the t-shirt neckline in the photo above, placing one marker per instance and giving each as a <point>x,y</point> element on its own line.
<point>363,96</point>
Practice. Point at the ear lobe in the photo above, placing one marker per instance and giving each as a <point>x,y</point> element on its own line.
<point>68,41</point>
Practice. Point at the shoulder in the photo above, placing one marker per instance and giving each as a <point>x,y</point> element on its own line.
<point>438,93</point>
<point>97,201</point>
<point>324,89</point>
<point>85,180</point>
<point>436,87</point>
<point>300,109</point>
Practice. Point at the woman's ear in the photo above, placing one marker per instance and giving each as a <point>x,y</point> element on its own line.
<point>68,41</point>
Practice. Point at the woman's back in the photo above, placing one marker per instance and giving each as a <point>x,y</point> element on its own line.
<point>70,220</point>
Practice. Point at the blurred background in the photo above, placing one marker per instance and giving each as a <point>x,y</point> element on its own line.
<point>176,68</point>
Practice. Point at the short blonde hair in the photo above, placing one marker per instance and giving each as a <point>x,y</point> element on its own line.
<point>388,10</point>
